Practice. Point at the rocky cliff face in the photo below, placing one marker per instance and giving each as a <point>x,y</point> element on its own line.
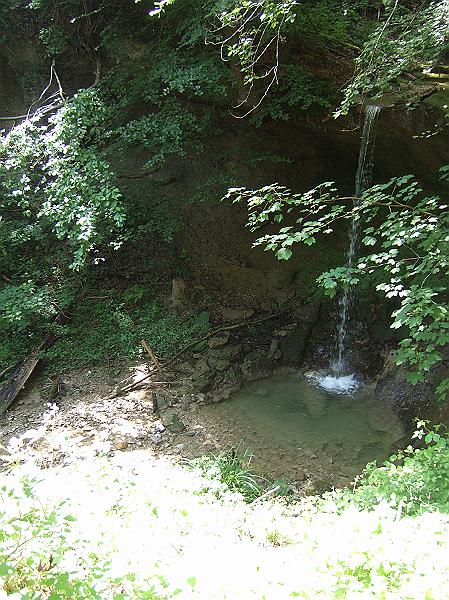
<point>212,249</point>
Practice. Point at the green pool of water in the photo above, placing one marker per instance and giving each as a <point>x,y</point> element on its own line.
<point>290,415</point>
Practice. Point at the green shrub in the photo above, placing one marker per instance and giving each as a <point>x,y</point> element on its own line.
<point>414,481</point>
<point>38,561</point>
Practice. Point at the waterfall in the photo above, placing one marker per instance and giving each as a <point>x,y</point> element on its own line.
<point>363,180</point>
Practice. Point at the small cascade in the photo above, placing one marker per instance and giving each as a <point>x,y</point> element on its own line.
<point>339,379</point>
<point>363,180</point>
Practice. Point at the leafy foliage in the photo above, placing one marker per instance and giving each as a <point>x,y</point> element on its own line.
<point>112,328</point>
<point>36,556</point>
<point>407,38</point>
<point>409,232</point>
<point>59,205</point>
<point>234,470</point>
<point>412,481</point>
<point>296,89</point>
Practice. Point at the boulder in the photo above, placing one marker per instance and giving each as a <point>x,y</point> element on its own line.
<point>409,401</point>
<point>294,344</point>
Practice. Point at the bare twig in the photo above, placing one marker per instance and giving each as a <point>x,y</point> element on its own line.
<point>151,354</point>
<point>269,493</point>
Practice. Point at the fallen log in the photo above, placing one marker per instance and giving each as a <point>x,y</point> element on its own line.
<point>12,387</point>
<point>10,390</point>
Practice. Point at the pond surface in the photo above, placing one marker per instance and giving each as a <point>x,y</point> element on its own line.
<point>289,419</point>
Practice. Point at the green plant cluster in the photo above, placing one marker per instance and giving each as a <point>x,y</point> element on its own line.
<point>36,557</point>
<point>59,209</point>
<point>111,328</point>
<point>297,89</point>
<point>235,471</point>
<point>410,37</point>
<point>412,481</point>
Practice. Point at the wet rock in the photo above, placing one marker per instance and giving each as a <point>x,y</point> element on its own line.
<point>294,345</point>
<point>409,401</point>
<point>232,314</point>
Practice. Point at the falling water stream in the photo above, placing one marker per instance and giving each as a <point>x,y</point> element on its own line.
<point>323,422</point>
<point>363,179</point>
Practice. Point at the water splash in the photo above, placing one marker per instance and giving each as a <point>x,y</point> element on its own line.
<point>344,384</point>
<point>363,180</point>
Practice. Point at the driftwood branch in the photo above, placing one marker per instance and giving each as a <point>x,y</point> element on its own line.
<point>10,390</point>
<point>151,354</point>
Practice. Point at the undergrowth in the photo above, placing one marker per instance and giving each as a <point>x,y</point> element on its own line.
<point>112,328</point>
<point>391,531</point>
<point>234,469</point>
<point>413,481</point>
<point>156,531</point>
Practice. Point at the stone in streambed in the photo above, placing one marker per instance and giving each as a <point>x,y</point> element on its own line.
<point>294,345</point>
<point>121,445</point>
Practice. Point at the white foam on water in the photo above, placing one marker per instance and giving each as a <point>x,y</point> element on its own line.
<point>345,384</point>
